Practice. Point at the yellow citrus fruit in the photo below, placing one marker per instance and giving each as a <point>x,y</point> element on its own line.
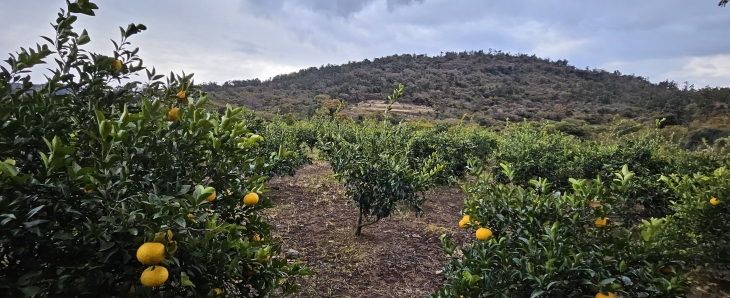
<point>160,236</point>
<point>601,295</point>
<point>218,291</point>
<point>257,238</point>
<point>601,222</point>
<point>264,260</point>
<point>117,64</point>
<point>211,197</point>
<point>154,276</point>
<point>714,201</point>
<point>172,115</point>
<point>181,94</point>
<point>151,253</point>
<point>483,234</point>
<point>191,217</point>
<point>464,223</point>
<point>88,190</point>
<point>251,199</point>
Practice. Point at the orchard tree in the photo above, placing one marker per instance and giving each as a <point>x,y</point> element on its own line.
<point>130,190</point>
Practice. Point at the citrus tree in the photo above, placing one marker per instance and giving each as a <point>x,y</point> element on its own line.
<point>130,189</point>
<point>373,163</point>
<point>701,216</point>
<point>452,147</point>
<point>282,144</point>
<point>530,242</point>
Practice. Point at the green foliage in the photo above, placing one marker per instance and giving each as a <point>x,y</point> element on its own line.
<point>92,171</point>
<point>548,245</point>
<point>452,148</point>
<point>287,148</point>
<point>537,153</point>
<point>373,163</point>
<point>701,227</point>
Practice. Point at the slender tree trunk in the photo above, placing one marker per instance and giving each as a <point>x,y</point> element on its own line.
<point>359,225</point>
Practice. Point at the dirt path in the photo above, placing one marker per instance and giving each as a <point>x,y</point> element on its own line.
<point>397,257</point>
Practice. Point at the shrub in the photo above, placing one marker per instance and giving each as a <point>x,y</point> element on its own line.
<point>375,168</point>
<point>285,147</point>
<point>701,216</point>
<point>548,245</point>
<point>451,148</point>
<point>93,171</point>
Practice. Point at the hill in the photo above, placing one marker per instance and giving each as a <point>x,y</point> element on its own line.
<point>488,86</point>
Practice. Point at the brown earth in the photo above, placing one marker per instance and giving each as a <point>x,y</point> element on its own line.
<point>399,256</point>
<point>407,111</point>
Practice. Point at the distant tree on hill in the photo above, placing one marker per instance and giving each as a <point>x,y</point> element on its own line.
<point>723,3</point>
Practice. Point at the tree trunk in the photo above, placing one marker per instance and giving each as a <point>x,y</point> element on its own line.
<point>358,231</point>
<point>359,226</point>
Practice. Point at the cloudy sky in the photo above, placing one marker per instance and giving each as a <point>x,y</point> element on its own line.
<point>222,40</point>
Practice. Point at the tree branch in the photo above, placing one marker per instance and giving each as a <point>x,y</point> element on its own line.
<point>368,223</point>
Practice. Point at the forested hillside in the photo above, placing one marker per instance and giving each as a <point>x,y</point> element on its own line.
<point>488,86</point>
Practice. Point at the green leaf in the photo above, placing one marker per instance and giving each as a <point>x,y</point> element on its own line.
<point>106,245</point>
<point>185,280</point>
<point>8,170</point>
<point>84,38</point>
<point>180,221</point>
<point>31,291</point>
<point>607,281</point>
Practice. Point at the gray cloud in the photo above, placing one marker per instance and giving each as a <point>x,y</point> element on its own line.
<point>237,39</point>
<point>393,4</point>
<point>344,9</point>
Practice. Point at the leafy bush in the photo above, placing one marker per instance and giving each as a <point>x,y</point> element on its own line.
<point>570,245</point>
<point>452,148</point>
<point>285,147</point>
<point>93,171</point>
<point>375,167</point>
<point>701,216</point>
<point>536,153</point>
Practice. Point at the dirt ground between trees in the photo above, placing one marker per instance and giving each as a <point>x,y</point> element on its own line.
<point>399,256</point>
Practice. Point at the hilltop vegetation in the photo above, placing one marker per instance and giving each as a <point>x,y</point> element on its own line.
<point>488,86</point>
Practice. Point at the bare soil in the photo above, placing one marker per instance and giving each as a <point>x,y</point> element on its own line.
<point>405,110</point>
<point>399,256</point>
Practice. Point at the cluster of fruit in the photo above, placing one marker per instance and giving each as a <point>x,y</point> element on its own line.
<point>152,253</point>
<point>481,233</point>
